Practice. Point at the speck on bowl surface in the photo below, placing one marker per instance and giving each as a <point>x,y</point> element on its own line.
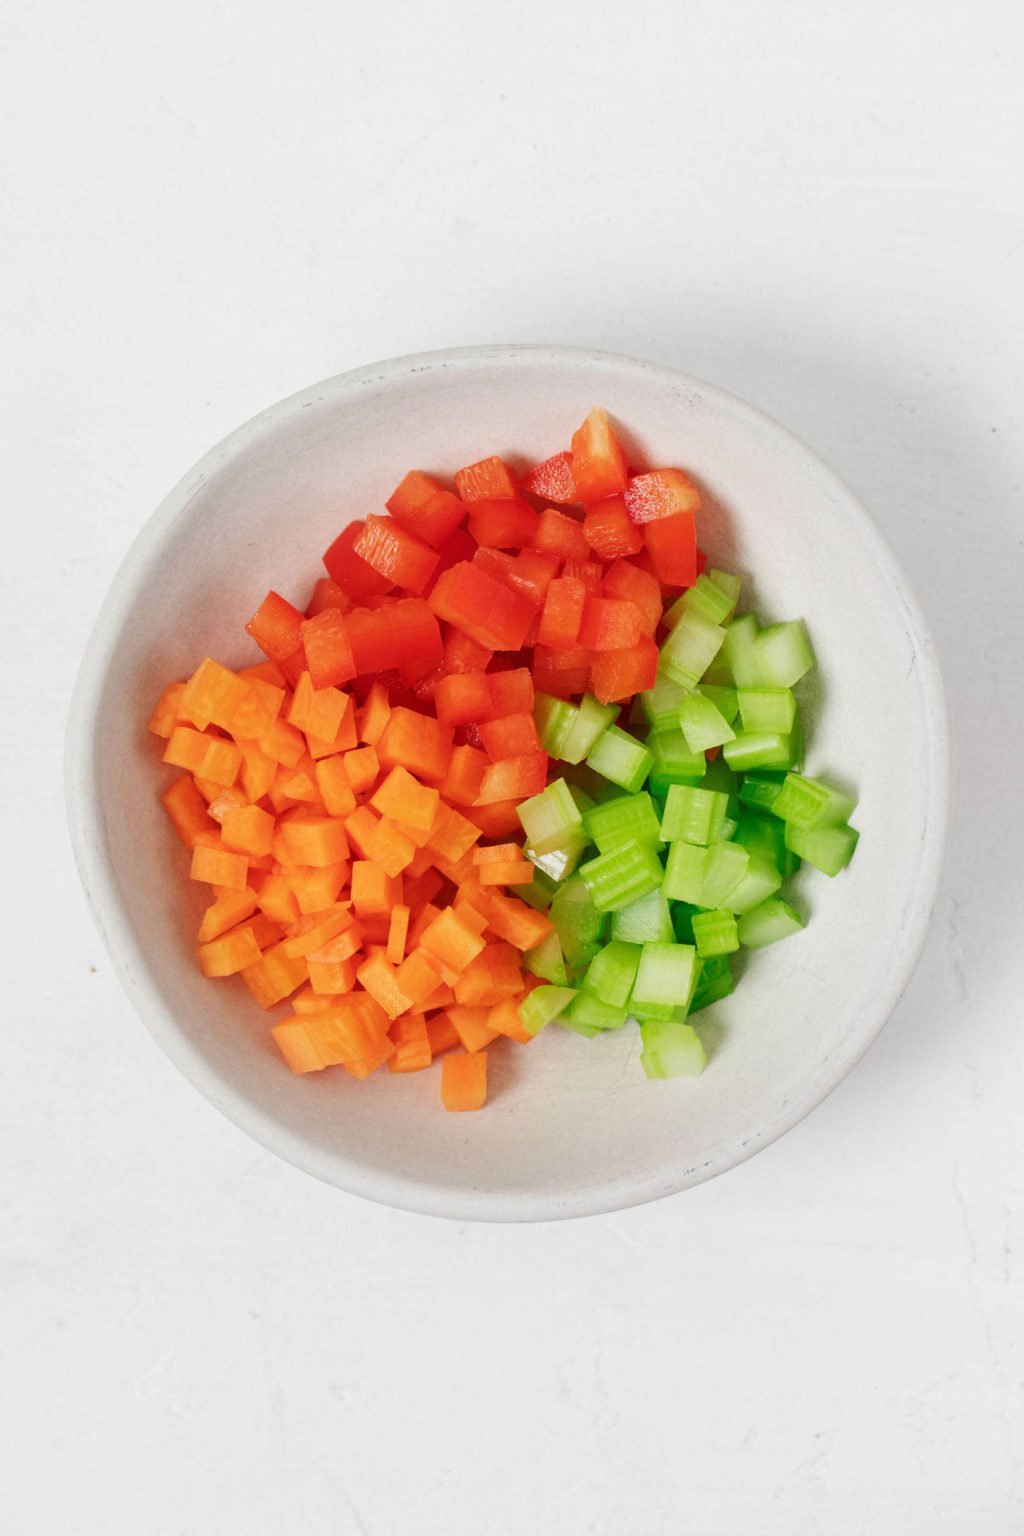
<point>572,1128</point>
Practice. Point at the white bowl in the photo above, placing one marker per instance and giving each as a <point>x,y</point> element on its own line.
<point>572,1127</point>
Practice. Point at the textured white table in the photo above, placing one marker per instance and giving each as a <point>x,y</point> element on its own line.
<point>209,206</point>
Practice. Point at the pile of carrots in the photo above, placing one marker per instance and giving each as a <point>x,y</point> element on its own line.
<point>335,795</point>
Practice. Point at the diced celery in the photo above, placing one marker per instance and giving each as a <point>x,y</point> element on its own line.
<point>648,918</point>
<point>672,761</point>
<point>714,933</point>
<point>702,724</point>
<point>728,828</point>
<point>551,820</point>
<point>759,880</point>
<point>622,876</point>
<point>683,915</point>
<point>693,815</point>
<point>612,972</point>
<point>547,961</point>
<point>554,719</point>
<point>727,864</point>
<point>691,647</point>
<point>716,982</point>
<point>685,870</point>
<point>579,925</point>
<point>810,803</point>
<point>559,864</point>
<point>724,699</point>
<point>766,710</point>
<point>829,849</point>
<point>766,749</point>
<point>666,976</point>
<point>620,758</point>
<point>661,703</point>
<point>784,655</point>
<point>582,799</point>
<point>588,1031</point>
<point>539,892</point>
<point>767,922</point>
<point>542,1005</point>
<point>671,1050</point>
<point>766,836</point>
<point>594,1012</point>
<point>592,720</point>
<point>739,651</point>
<point>626,819</point>
<point>759,791</point>
<point>721,777</point>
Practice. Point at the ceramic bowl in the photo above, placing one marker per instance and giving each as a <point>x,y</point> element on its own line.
<point>572,1126</point>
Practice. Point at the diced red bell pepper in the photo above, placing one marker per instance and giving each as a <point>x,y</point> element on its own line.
<point>427,508</point>
<point>610,624</point>
<point>483,608</point>
<point>587,571</point>
<point>672,545</point>
<point>532,571</point>
<point>352,574</point>
<point>496,562</point>
<point>625,579</point>
<point>514,778</point>
<point>509,736</point>
<point>396,553</point>
<point>462,697</point>
<point>327,594</point>
<point>415,742</point>
<point>561,535</point>
<point>562,613</point>
<point>403,634</point>
<point>505,522</point>
<point>598,462</point>
<point>488,478</point>
<point>276,627</point>
<point>616,675</point>
<point>563,673</point>
<point>553,480</point>
<point>328,648</point>
<point>610,531</point>
<point>461,654</point>
<point>661,493</point>
<point>511,691</point>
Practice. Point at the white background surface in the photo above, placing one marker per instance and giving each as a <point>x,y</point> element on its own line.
<point>208,206</point>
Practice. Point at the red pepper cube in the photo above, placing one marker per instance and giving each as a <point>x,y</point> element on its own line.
<point>625,579</point>
<point>352,574</point>
<point>396,553</point>
<point>562,613</point>
<point>328,648</point>
<point>562,673</point>
<point>502,523</point>
<point>510,736</point>
<point>488,479</point>
<point>327,594</point>
<point>598,462</point>
<point>487,611</point>
<point>610,531</point>
<point>661,493</point>
<point>275,626</point>
<point>553,480</point>
<point>532,572</point>
<point>672,545</point>
<point>461,654</point>
<point>610,624</point>
<point>587,571</point>
<point>561,535</point>
<point>402,633</point>
<point>511,692</point>
<point>426,508</point>
<point>616,675</point>
<point>514,778</point>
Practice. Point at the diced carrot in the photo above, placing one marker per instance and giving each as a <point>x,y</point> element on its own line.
<point>441,1033</point>
<point>293,1041</point>
<point>412,1044</point>
<point>362,766</point>
<point>468,912</point>
<point>514,872</point>
<point>210,757</point>
<point>422,887</point>
<point>344,738</point>
<point>277,899</point>
<point>319,931</point>
<point>417,743</point>
<point>331,978</point>
<point>397,933</point>
<point>424,917</point>
<point>401,797</point>
<point>451,942</point>
<point>229,909</point>
<point>299,787</point>
<point>374,891</point>
<point>452,834</point>
<point>514,921</point>
<point>464,1080</point>
<point>316,711</point>
<point>258,769</point>
<point>335,789</point>
<point>504,1019</point>
<point>311,840</point>
<point>418,977</point>
<point>496,973</point>
<point>257,709</point>
<point>265,672</point>
<point>366,1065</point>
<point>389,847</point>
<point>465,774</point>
<point>218,866</point>
<point>380,980</point>
<point>497,853</point>
<point>283,743</point>
<point>374,715</point>
<point>274,975</point>
<point>308,1001</point>
<point>247,829</point>
<point>471,1026</point>
<point>187,810</point>
<point>315,889</point>
<point>264,931</point>
<point>212,694</point>
<point>229,954</point>
<point>166,714</point>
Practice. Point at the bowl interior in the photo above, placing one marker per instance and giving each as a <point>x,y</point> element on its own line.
<point>572,1126</point>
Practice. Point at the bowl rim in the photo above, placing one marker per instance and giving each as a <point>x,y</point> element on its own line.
<point>86,819</point>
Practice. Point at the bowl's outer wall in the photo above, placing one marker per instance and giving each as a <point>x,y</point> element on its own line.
<point>572,1127</point>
